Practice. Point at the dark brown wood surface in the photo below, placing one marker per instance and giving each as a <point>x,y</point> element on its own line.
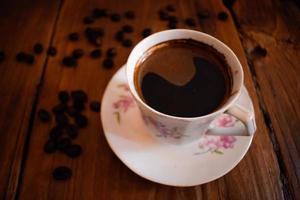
<point>270,170</point>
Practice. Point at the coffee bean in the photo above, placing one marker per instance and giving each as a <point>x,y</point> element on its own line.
<point>73,151</point>
<point>96,53</point>
<point>38,48</point>
<point>163,15</point>
<point>88,20</point>
<point>79,95</point>
<point>51,51</point>
<point>81,121</point>
<point>222,16</point>
<point>77,53</point>
<point>72,130</point>
<point>119,36</point>
<point>111,52</point>
<point>29,59</point>
<point>69,61</point>
<point>55,132</point>
<point>228,3</point>
<point>63,96</point>
<point>73,36</point>
<point>78,105</point>
<point>127,43</point>
<point>50,146</point>
<point>2,56</point>
<point>146,32</point>
<point>98,13</point>
<point>108,63</point>
<point>20,57</point>
<point>259,51</point>
<point>127,29</point>
<point>94,35</point>
<point>129,14</point>
<point>63,144</point>
<point>170,8</point>
<point>44,115</point>
<point>60,108</point>
<point>62,173</point>
<point>173,19</point>
<point>115,17</point>
<point>61,119</point>
<point>190,22</point>
<point>203,14</point>
<point>95,106</point>
<point>172,25</point>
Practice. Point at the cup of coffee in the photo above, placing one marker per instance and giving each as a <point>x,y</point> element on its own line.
<point>182,80</point>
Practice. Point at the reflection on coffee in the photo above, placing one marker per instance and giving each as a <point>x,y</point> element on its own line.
<point>183,78</point>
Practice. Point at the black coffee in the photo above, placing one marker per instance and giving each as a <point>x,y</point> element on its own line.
<point>183,78</point>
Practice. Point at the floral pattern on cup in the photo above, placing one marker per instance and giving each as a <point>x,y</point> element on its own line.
<point>124,102</point>
<point>216,144</point>
<point>226,121</point>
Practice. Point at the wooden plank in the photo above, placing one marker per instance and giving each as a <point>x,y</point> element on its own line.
<point>275,26</point>
<point>22,24</point>
<point>98,174</point>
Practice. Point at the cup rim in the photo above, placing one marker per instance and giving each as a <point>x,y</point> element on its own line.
<point>220,110</point>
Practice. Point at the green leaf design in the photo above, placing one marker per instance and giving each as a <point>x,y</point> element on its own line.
<point>218,152</point>
<point>118,117</point>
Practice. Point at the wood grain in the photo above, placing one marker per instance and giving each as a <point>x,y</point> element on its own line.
<point>22,24</point>
<point>275,26</point>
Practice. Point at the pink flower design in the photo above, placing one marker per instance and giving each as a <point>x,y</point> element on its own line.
<point>226,121</point>
<point>124,103</point>
<point>216,144</point>
<point>124,86</point>
<point>227,141</point>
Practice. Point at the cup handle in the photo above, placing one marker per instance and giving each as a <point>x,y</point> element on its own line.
<point>245,116</point>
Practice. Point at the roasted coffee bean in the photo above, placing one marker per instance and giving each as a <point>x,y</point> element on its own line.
<point>115,17</point>
<point>95,106</point>
<point>63,144</point>
<point>108,63</point>
<point>129,14</point>
<point>38,48</point>
<point>62,173</point>
<point>111,52</point>
<point>173,19</point>
<point>222,16</point>
<point>77,53</point>
<point>71,130</point>
<point>163,15</point>
<point>88,20</point>
<point>73,36</point>
<point>98,13</point>
<point>61,119</point>
<point>81,121</point>
<point>172,25</point>
<point>44,115</point>
<point>69,61</point>
<point>96,53</point>
<point>60,108</point>
<point>51,51</point>
<point>94,35</point>
<point>78,105</point>
<point>170,8</point>
<point>2,56</point>
<point>203,14</point>
<point>127,29</point>
<point>29,59</point>
<point>63,96</point>
<point>50,146</point>
<point>79,95</point>
<point>20,57</point>
<point>119,36</point>
<point>55,132</point>
<point>190,22</point>
<point>127,43</point>
<point>73,151</point>
<point>259,51</point>
<point>146,32</point>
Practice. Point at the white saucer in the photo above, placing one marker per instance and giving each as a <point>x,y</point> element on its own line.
<point>178,165</point>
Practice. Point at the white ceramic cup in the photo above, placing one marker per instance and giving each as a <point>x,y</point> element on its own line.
<point>180,130</point>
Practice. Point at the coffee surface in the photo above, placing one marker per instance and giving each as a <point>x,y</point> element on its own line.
<point>183,78</point>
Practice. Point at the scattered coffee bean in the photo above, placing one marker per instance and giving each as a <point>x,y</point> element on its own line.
<point>111,52</point>
<point>38,48</point>
<point>69,61</point>
<point>96,53</point>
<point>115,17</point>
<point>71,130</point>
<point>21,57</point>
<point>81,120</point>
<point>129,14</point>
<point>60,108</point>
<point>108,63</point>
<point>29,59</point>
<point>79,95</point>
<point>127,43</point>
<point>62,173</point>
<point>119,36</point>
<point>73,151</point>
<point>50,146</point>
<point>78,105</point>
<point>88,20</point>
<point>94,35</point>
<point>146,32</point>
<point>98,13</point>
<point>228,3</point>
<point>2,56</point>
<point>202,14</point>
<point>170,8</point>
<point>172,25</point>
<point>127,29</point>
<point>163,15</point>
<point>77,53</point>
<point>51,51</point>
<point>259,51</point>
<point>63,144</point>
<point>55,132</point>
<point>73,36</point>
<point>61,119</point>
<point>222,16</point>
<point>190,22</point>
<point>173,19</point>
<point>44,115</point>
<point>63,96</point>
<point>95,106</point>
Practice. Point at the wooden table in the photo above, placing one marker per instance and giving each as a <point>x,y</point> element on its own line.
<point>265,35</point>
